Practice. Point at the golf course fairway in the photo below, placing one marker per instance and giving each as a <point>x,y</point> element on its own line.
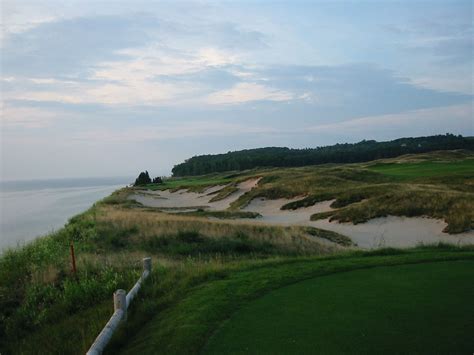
<point>417,308</point>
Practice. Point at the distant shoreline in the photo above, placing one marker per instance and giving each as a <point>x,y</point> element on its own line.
<point>27,184</point>
<point>34,208</point>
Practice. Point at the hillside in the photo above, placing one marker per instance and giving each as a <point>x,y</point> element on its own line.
<point>214,256</point>
<point>339,153</point>
<point>436,184</point>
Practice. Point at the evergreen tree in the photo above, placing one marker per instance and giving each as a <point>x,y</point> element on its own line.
<point>143,179</point>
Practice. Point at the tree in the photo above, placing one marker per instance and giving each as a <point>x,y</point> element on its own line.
<point>158,180</point>
<point>143,179</point>
<point>365,150</point>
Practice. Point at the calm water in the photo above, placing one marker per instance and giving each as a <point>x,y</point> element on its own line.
<point>29,209</point>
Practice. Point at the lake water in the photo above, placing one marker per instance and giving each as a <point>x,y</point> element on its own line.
<point>29,209</point>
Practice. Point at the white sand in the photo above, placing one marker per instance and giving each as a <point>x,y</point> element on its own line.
<point>271,212</point>
<point>380,232</point>
<point>393,231</point>
<point>243,187</point>
<point>184,198</point>
<point>389,231</point>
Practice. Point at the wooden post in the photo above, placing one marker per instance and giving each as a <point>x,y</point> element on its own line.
<point>120,302</point>
<point>147,264</point>
<point>73,259</point>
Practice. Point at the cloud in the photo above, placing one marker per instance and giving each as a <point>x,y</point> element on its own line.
<point>455,50</point>
<point>456,118</point>
<point>26,117</point>
<point>444,82</point>
<point>337,93</point>
<point>247,92</point>
<point>144,71</point>
<point>18,18</point>
<point>172,131</point>
<point>69,47</point>
<point>130,93</point>
<point>158,60</point>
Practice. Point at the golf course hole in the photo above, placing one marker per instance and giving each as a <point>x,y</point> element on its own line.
<point>419,308</point>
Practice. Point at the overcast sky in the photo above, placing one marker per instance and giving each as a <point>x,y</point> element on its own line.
<point>109,88</point>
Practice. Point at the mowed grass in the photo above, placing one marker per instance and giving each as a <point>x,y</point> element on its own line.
<point>425,169</point>
<point>188,321</point>
<point>421,308</point>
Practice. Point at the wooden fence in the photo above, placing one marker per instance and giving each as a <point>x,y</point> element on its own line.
<point>122,301</point>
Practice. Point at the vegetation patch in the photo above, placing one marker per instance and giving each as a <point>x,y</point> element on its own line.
<point>195,184</point>
<point>223,214</point>
<point>191,243</point>
<point>425,169</point>
<point>331,236</point>
<point>225,192</point>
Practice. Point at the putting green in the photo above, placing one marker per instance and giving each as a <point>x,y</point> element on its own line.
<point>419,308</point>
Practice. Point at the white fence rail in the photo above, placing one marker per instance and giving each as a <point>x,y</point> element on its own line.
<point>122,301</point>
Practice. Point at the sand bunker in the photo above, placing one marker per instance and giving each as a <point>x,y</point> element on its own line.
<point>380,232</point>
<point>184,199</point>
<point>389,231</point>
<point>396,232</point>
<point>271,210</point>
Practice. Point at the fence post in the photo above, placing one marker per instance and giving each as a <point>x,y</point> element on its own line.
<point>120,302</point>
<point>147,264</point>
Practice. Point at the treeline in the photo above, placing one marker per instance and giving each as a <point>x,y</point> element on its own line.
<point>365,150</point>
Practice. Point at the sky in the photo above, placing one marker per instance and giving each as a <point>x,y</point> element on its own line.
<point>111,88</point>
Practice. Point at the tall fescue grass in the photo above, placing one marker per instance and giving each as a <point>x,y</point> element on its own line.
<point>42,301</point>
<point>146,228</point>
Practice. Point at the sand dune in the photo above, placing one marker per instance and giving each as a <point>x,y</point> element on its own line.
<point>389,231</point>
<point>183,198</point>
<point>393,231</point>
<point>272,213</point>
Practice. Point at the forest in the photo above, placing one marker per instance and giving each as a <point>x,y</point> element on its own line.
<point>365,150</point>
